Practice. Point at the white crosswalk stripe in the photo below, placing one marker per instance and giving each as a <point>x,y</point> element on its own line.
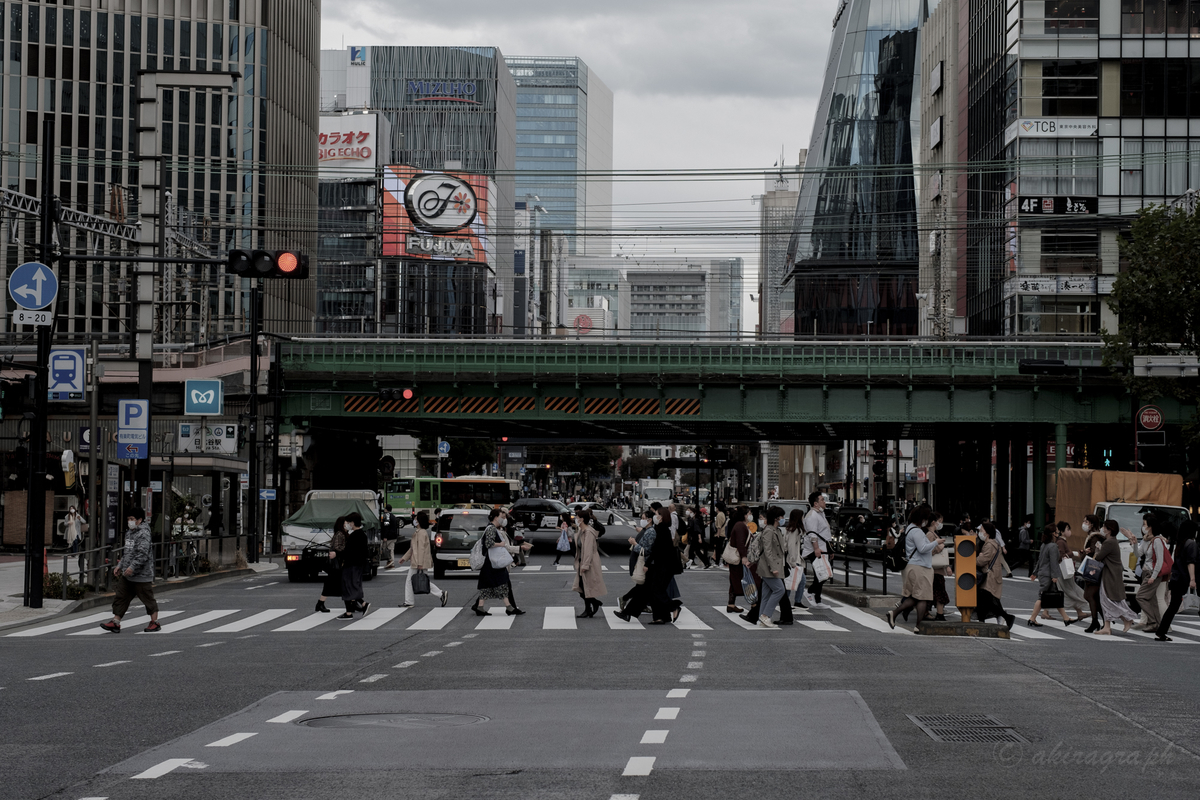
<point>436,619</point>
<point>192,622</point>
<point>307,623</point>
<point>260,618</point>
<point>375,620</point>
<point>617,624</point>
<point>128,624</point>
<point>559,618</point>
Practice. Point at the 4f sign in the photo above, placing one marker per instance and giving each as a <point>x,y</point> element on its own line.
<point>203,398</point>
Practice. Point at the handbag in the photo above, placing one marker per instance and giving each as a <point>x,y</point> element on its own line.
<point>499,557</point>
<point>941,560</point>
<point>1053,598</point>
<point>1190,602</point>
<point>1090,570</point>
<point>639,569</point>
<point>730,555</point>
<point>821,569</point>
<point>749,590</point>
<point>420,582</point>
<point>477,558</point>
<point>564,543</point>
<point>1067,567</point>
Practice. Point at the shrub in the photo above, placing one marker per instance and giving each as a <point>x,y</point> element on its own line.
<point>52,587</point>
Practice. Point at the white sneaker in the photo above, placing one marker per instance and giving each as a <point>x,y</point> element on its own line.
<point>765,622</point>
<point>808,600</point>
<point>822,606</point>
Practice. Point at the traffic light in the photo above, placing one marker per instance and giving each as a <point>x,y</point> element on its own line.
<point>965,551</point>
<point>267,264</point>
<point>397,393</point>
<point>879,454</point>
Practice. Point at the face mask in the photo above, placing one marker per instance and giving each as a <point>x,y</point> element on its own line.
<point>500,523</point>
<point>1087,527</point>
<point>762,521</point>
<point>1145,529</point>
<point>132,525</point>
<point>939,526</point>
<point>657,519</point>
<point>749,518</point>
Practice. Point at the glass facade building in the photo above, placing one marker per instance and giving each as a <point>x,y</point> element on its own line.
<point>449,108</point>
<point>854,248</point>
<point>77,64</point>
<point>564,148</point>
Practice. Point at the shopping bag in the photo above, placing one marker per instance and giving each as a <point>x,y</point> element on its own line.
<point>748,588</point>
<point>822,570</point>
<point>1067,567</point>
<point>1090,570</point>
<point>420,583</point>
<point>477,556</point>
<point>639,569</point>
<point>564,543</point>
<point>500,557</point>
<point>1190,602</point>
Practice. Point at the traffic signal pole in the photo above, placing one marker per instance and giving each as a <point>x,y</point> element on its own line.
<point>255,329</point>
<point>35,531</point>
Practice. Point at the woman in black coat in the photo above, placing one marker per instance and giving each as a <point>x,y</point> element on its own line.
<point>333,573</point>
<point>662,565</point>
<point>354,560</point>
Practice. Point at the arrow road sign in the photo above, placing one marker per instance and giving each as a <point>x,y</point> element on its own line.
<point>33,285</point>
<point>444,448</point>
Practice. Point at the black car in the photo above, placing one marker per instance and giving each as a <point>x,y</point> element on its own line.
<point>457,532</point>
<point>532,512</point>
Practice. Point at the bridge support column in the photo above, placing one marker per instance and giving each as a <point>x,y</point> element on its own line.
<point>1060,446</point>
<point>1019,482</point>
<point>947,462</point>
<point>1002,477</point>
<point>1039,478</point>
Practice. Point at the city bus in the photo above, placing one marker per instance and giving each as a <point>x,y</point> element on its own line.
<point>404,494</point>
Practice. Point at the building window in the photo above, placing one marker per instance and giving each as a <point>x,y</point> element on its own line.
<point>1072,17</point>
<point>1131,167</point>
<point>1063,89</point>
<point>1058,167</point>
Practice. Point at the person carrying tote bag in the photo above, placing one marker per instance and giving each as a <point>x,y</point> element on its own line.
<point>420,556</point>
<point>494,582</point>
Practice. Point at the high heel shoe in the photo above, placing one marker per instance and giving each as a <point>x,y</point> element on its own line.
<point>1033,624</point>
<point>480,612</point>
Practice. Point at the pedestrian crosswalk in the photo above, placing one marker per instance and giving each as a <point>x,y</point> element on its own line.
<point>840,619</point>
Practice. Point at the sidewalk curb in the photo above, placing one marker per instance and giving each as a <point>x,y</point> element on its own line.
<point>106,599</point>
<point>859,598</point>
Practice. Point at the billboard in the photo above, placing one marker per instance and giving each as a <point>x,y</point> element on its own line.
<point>441,216</point>
<point>348,145</point>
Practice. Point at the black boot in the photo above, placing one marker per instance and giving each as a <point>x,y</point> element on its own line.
<point>321,606</point>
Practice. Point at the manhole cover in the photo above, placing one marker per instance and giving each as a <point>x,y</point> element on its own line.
<point>409,721</point>
<point>862,650</point>
<point>968,728</point>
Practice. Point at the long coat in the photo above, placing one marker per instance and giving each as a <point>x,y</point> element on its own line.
<point>420,553</point>
<point>1112,578</point>
<point>994,583</point>
<point>1048,569</point>
<point>589,578</point>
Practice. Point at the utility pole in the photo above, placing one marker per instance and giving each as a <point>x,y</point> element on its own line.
<point>35,531</point>
<point>93,537</point>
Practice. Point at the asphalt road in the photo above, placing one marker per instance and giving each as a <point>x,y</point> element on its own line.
<point>434,703</point>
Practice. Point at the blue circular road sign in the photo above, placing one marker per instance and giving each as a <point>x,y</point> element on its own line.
<point>33,286</point>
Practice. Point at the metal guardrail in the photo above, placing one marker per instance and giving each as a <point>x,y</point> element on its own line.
<point>571,357</point>
<point>173,558</point>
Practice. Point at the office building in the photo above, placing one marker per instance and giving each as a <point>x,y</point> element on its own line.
<point>77,64</point>
<point>564,148</point>
<point>449,110</point>
<point>854,244</point>
<point>777,210</point>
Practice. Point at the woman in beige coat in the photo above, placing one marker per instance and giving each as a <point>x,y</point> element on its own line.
<point>589,578</point>
<point>991,585</point>
<point>420,554</point>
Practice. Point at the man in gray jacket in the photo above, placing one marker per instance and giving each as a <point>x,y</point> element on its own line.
<point>135,574</point>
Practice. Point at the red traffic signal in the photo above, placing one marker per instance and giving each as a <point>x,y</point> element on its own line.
<point>397,393</point>
<point>267,264</point>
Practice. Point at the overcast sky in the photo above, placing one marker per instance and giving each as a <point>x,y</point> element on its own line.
<point>697,84</point>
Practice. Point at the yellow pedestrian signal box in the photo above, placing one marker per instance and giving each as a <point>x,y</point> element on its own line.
<point>966,548</point>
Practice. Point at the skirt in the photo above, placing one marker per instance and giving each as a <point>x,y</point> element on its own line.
<point>1115,609</point>
<point>918,583</point>
<point>352,590</point>
<point>493,583</point>
<point>735,580</point>
<point>940,595</point>
<point>1072,594</point>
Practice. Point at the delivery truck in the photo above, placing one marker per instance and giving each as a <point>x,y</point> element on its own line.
<point>307,533</point>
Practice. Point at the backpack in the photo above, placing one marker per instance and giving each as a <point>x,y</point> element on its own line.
<point>754,550</point>
<point>338,543</point>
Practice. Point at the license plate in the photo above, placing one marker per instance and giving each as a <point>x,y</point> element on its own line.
<point>464,562</point>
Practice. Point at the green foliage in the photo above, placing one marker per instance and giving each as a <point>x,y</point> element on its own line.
<point>52,587</point>
<point>1157,301</point>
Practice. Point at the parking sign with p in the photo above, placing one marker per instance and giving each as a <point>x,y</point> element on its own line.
<point>133,428</point>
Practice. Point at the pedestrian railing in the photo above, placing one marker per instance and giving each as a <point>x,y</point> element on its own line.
<point>174,558</point>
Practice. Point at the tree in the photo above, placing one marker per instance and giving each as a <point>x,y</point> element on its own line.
<point>639,466</point>
<point>1157,302</point>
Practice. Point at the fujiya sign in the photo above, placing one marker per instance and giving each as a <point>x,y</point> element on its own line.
<point>440,203</point>
<point>435,246</point>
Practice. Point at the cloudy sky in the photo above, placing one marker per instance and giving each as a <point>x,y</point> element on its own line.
<point>697,84</point>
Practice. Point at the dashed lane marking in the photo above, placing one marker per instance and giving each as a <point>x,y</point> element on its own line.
<point>699,653</point>
<point>288,716</point>
<point>112,663</point>
<point>695,665</point>
<point>335,694</point>
<point>623,797</point>
<point>687,678</point>
<point>229,741</point>
<point>372,678</point>
<point>667,713</point>
<point>639,765</point>
<point>210,644</point>
<point>431,654</point>
<point>405,664</point>
<point>262,586</point>
<point>654,737</point>
<point>452,644</point>
<point>158,770</point>
<point>165,653</point>
<point>674,693</point>
<point>51,675</point>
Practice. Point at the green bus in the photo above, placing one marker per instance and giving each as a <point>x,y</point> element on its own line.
<point>417,493</point>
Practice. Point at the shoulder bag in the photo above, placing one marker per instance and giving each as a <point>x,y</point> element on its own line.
<point>499,557</point>
<point>477,556</point>
<point>639,569</point>
<point>730,555</point>
<point>420,582</point>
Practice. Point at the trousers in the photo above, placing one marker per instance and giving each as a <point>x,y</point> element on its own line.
<point>127,590</point>
<point>408,590</point>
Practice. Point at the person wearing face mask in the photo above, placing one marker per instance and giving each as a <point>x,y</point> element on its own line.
<point>135,574</point>
<point>1182,577</point>
<point>771,565</point>
<point>589,578</point>
<point>662,565</point>
<point>638,545</point>
<point>1072,593</point>
<point>563,545</point>
<point>739,537</point>
<point>1048,573</point>
<point>1155,568</point>
<point>72,529</point>
<point>696,550</point>
<point>941,598</point>
<point>494,582</point>
<point>918,575</point>
<point>1112,582</point>
<point>1091,547</point>
<point>816,544</point>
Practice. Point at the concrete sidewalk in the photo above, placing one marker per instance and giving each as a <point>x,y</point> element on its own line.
<point>13,612</point>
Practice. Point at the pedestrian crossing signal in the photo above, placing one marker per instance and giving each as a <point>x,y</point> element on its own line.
<point>1106,458</point>
<point>965,580</point>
